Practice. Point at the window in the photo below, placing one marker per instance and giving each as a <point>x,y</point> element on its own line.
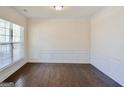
<point>11,43</point>
<point>17,42</point>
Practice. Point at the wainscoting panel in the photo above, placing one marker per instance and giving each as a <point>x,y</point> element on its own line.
<point>62,56</point>
<point>112,67</point>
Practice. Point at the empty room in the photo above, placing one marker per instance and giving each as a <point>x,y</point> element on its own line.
<point>62,46</point>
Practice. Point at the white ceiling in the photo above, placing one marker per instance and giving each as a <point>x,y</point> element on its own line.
<point>50,12</point>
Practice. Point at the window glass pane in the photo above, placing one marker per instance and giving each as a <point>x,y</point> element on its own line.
<point>5,55</point>
<point>2,31</point>
<point>7,38</point>
<point>7,32</point>
<point>18,52</point>
<point>2,39</point>
<point>16,33</point>
<point>16,39</point>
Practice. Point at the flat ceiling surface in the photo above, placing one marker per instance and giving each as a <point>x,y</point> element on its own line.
<point>50,12</point>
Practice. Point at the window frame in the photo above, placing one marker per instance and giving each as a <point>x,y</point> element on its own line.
<point>11,42</point>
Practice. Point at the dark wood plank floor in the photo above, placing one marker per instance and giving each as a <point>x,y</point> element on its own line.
<point>60,75</point>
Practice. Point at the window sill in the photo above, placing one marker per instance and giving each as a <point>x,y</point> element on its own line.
<point>8,66</point>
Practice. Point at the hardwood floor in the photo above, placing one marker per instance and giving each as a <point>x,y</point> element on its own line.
<point>60,75</point>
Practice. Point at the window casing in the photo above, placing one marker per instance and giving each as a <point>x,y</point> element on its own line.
<point>11,43</point>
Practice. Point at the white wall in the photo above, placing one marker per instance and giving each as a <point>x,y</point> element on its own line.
<point>107,42</point>
<point>10,14</point>
<point>59,40</point>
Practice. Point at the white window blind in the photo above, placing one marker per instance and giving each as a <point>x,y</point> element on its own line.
<point>18,48</point>
<point>11,43</point>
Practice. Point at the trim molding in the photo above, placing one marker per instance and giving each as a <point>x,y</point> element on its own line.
<point>58,61</point>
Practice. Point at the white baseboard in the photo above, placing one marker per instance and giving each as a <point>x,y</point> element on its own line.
<point>58,61</point>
